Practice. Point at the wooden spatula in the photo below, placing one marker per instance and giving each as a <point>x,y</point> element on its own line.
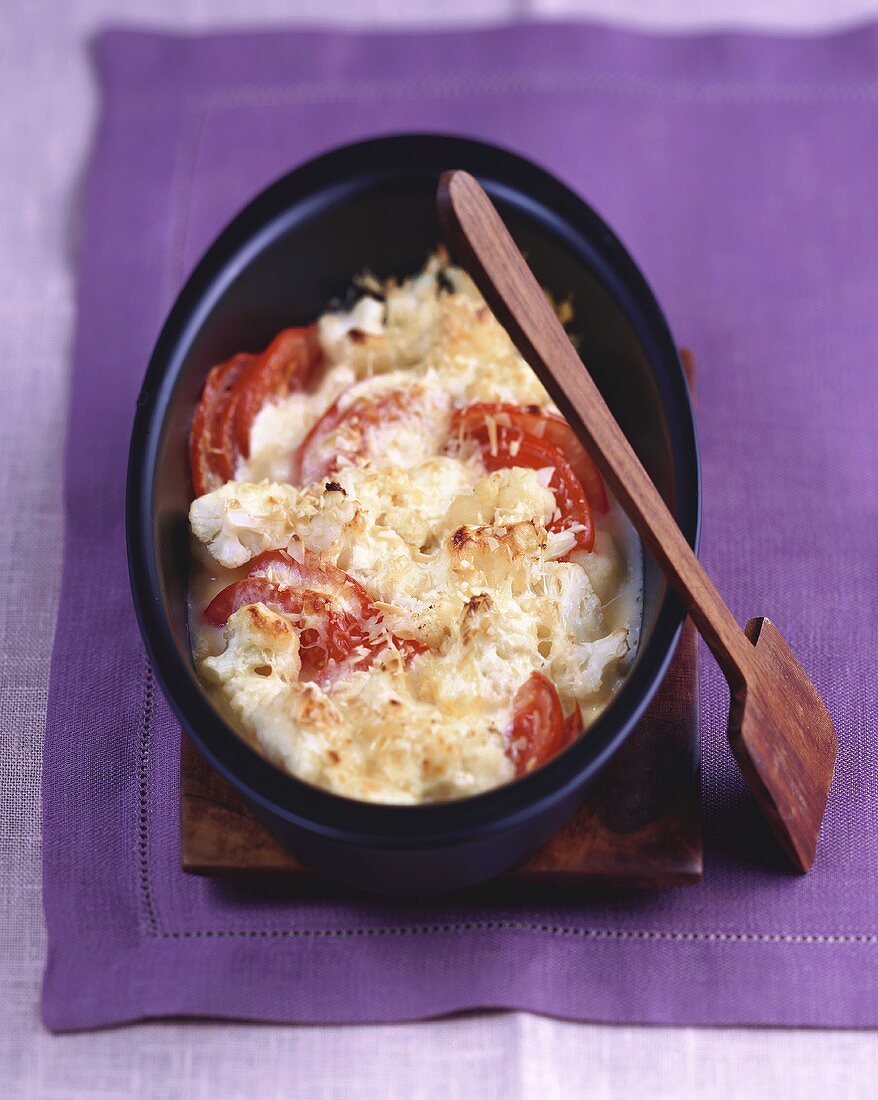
<point>779,729</point>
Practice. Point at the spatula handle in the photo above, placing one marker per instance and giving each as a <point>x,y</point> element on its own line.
<point>479,238</point>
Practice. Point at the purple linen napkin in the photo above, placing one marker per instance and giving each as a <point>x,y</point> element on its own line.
<point>743,174</point>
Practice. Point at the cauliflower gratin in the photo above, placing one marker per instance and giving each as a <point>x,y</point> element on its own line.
<point>409,582</point>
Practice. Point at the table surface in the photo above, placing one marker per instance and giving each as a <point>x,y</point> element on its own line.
<point>49,104</point>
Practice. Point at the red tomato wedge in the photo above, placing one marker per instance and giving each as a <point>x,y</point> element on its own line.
<point>336,614</point>
<point>344,430</point>
<point>288,364</point>
<point>545,425</point>
<point>538,730</point>
<point>233,395</point>
<point>211,450</point>
<point>514,447</point>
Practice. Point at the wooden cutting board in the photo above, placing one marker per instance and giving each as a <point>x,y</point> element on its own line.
<point>639,826</point>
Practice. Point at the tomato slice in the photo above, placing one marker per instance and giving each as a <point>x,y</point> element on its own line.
<point>288,364</point>
<point>544,425</point>
<point>336,614</point>
<point>211,452</point>
<point>233,395</point>
<point>513,447</point>
<point>573,724</point>
<point>330,582</point>
<point>314,575</point>
<point>248,591</point>
<point>538,730</point>
<point>344,432</point>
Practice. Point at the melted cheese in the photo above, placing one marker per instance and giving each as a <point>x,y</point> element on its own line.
<point>452,556</point>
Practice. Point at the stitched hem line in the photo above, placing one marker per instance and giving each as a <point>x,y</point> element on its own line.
<point>146,893</point>
<point>526,926</point>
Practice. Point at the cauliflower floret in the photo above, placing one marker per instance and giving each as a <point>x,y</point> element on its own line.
<point>580,668</point>
<point>574,642</point>
<point>296,724</point>
<point>376,337</point>
<point>419,748</point>
<point>604,565</point>
<point>508,496</point>
<point>485,661</point>
<point>498,557</point>
<point>578,605</point>
<point>241,520</point>
<point>260,660</point>
<point>410,502</point>
<point>476,358</point>
<point>495,534</point>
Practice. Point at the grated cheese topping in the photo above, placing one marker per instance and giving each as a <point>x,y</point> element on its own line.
<point>456,560</point>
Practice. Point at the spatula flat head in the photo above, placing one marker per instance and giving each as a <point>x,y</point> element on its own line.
<point>784,742</point>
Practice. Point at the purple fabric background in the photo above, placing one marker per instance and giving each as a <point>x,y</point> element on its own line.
<point>743,174</point>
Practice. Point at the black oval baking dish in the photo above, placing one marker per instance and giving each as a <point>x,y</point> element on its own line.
<point>292,250</point>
